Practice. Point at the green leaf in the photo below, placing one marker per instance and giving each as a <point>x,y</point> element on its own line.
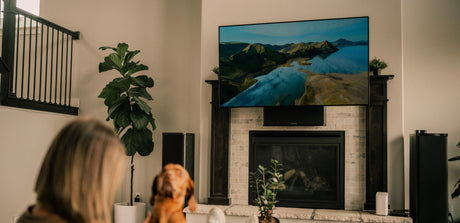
<point>130,142</point>
<point>129,66</point>
<point>152,121</point>
<point>107,47</point>
<point>110,91</point>
<point>144,106</point>
<point>458,144</point>
<point>130,55</point>
<point>136,69</point>
<point>120,111</point>
<point>106,65</point>
<point>116,127</point>
<point>143,81</point>
<point>116,60</point>
<point>122,83</point>
<point>122,115</point>
<point>122,101</point>
<point>140,118</point>
<point>121,50</point>
<point>139,141</point>
<point>140,92</point>
<point>114,90</point>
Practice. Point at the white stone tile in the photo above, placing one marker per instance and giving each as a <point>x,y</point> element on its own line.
<point>337,215</point>
<point>367,217</point>
<point>293,213</point>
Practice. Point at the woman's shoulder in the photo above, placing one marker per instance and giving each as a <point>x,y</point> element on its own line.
<point>29,216</point>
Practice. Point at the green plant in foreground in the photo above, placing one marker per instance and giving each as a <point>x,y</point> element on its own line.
<point>456,192</point>
<point>124,97</point>
<point>267,183</point>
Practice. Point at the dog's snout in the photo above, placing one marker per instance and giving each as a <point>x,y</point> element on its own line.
<point>169,175</point>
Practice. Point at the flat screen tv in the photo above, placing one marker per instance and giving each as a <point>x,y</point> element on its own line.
<point>299,63</point>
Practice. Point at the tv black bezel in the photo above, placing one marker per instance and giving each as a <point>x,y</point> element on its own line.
<point>308,20</point>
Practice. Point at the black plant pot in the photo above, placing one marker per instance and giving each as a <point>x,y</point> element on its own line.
<point>376,72</point>
<point>273,220</point>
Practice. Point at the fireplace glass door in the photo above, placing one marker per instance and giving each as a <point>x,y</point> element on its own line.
<point>313,166</point>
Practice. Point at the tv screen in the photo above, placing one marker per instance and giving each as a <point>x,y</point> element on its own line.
<point>300,63</point>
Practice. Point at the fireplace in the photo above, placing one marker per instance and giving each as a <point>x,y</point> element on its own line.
<point>313,166</point>
<point>350,119</point>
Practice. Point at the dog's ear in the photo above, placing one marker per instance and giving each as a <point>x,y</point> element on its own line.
<point>154,190</point>
<point>190,196</point>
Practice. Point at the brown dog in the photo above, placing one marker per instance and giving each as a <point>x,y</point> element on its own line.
<point>169,189</point>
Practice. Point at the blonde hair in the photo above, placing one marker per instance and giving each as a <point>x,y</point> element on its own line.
<point>81,172</point>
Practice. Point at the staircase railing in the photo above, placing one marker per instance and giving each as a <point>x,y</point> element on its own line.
<point>37,55</point>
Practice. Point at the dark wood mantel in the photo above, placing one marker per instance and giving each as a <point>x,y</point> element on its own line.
<point>376,149</point>
<point>220,130</point>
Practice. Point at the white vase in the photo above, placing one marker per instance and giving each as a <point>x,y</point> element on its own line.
<point>123,213</point>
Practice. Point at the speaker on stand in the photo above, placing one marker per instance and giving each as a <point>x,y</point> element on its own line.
<point>179,148</point>
<point>428,177</point>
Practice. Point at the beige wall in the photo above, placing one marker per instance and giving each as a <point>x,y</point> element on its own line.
<point>385,42</point>
<point>431,56</point>
<point>24,139</point>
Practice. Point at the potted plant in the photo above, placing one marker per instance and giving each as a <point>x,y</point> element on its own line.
<point>267,183</point>
<point>456,192</point>
<point>131,116</point>
<point>376,65</point>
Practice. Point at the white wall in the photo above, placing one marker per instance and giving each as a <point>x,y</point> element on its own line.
<point>168,34</point>
<point>385,43</point>
<point>431,56</point>
<point>24,139</point>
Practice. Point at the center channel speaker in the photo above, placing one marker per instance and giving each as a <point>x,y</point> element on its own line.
<point>179,148</point>
<point>294,116</point>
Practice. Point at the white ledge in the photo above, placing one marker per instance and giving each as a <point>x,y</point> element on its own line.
<point>324,215</point>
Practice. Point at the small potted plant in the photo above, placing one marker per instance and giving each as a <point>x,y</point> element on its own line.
<point>267,183</point>
<point>456,192</point>
<point>376,65</point>
<point>132,117</point>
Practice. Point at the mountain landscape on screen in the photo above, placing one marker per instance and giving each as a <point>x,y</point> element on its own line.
<point>258,68</point>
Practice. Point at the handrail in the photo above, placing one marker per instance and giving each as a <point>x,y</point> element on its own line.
<point>38,56</point>
<point>75,35</point>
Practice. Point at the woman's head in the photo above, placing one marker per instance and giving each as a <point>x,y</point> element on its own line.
<point>81,172</point>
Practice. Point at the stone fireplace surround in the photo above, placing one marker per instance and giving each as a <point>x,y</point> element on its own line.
<point>351,119</point>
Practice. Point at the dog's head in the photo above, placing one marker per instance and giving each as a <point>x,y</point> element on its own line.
<point>174,182</point>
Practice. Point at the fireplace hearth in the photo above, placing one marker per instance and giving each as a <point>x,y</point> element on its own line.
<point>313,165</point>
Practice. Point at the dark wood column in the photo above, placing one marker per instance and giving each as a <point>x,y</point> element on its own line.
<point>220,128</point>
<point>376,149</point>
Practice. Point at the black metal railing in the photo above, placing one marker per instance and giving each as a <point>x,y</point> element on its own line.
<point>38,55</point>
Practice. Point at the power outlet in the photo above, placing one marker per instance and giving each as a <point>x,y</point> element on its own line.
<point>137,197</point>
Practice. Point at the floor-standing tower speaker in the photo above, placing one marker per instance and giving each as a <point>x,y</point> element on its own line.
<point>428,177</point>
<point>179,148</point>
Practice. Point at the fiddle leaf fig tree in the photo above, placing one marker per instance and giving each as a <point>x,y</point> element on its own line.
<point>456,192</point>
<point>125,98</point>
